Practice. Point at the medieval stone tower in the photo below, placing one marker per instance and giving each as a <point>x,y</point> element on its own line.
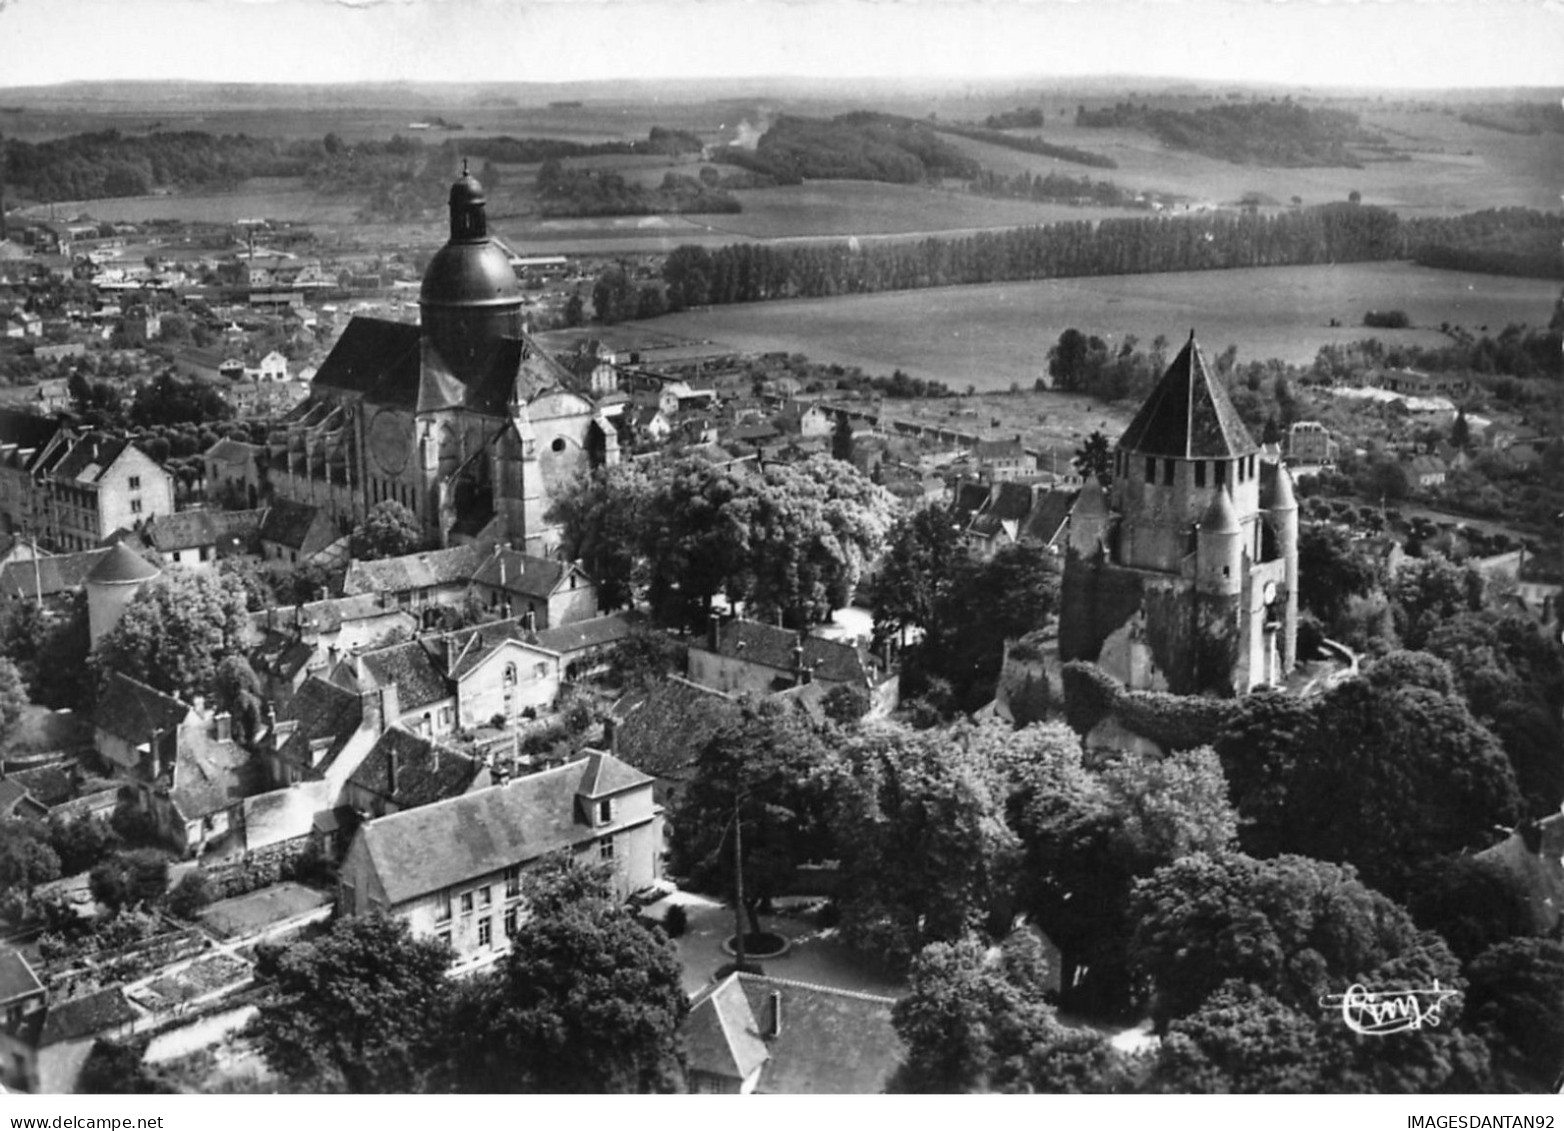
<point>1183,576</point>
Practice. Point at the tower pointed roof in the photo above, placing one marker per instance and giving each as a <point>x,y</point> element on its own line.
<point>122,564</point>
<point>1188,415</point>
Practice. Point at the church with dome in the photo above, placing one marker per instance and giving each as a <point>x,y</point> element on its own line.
<point>461,418</point>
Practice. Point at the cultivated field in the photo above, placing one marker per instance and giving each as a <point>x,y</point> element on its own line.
<point>994,336</point>
<point>1450,167</point>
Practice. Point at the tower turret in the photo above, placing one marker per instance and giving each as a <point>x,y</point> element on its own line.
<point>1088,518</point>
<point>1284,521</point>
<point>1219,549</point>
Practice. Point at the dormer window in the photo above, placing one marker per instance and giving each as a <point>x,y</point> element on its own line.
<point>605,811</point>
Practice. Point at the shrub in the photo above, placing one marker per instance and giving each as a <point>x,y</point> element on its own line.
<point>677,921</point>
<point>192,893</point>
<point>1387,319</point>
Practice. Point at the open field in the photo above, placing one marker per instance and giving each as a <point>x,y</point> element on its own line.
<point>1451,167</point>
<point>994,336</point>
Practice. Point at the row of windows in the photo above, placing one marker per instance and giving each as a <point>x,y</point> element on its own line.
<point>486,928</point>
<point>380,490</point>
<point>1245,469</point>
<point>478,897</point>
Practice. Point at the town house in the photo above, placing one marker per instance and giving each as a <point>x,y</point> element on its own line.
<point>452,870</point>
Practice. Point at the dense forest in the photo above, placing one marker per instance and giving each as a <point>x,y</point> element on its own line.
<point>109,163</point>
<point>863,146</point>
<point>1248,133</point>
<point>749,272</point>
<point>1498,241</point>
<point>591,192</point>
<point>1056,188</point>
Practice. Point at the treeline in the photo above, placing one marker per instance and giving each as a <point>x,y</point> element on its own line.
<point>1134,245</point>
<point>108,163</point>
<point>592,192</point>
<point>1033,145</point>
<point>1021,118</point>
<point>1497,241</point>
<point>1527,118</point>
<point>660,141</point>
<point>861,146</point>
<point>1054,187</point>
<point>1249,133</point>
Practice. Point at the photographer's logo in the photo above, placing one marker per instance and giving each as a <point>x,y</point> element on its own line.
<point>1376,1013</point>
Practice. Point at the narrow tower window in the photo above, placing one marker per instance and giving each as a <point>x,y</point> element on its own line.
<point>1200,473</point>
<point>1167,472</point>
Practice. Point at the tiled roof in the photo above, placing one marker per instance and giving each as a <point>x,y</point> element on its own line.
<point>122,564</point>
<point>595,633</point>
<point>183,531</point>
<point>425,771</point>
<point>57,573</point>
<point>89,458</point>
<point>999,449</point>
<point>721,1037</point>
<point>26,431</point>
<point>52,785</point>
<point>1188,415</point>
<point>233,451</point>
<point>830,1041</point>
<point>417,669</point>
<point>1010,502</point>
<point>86,1016</point>
<point>524,574</point>
<point>606,775</point>
<point>477,833</point>
<point>323,617</point>
<point>377,358</point>
<point>131,710</point>
<point>756,643</point>
<point>209,775</point>
<point>15,800</point>
<point>970,497</point>
<point>298,526</point>
<point>323,711</point>
<point>1049,515</point>
<point>16,977</point>
<point>661,732</point>
<point>456,565</point>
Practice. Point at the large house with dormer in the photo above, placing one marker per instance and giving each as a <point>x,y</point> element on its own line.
<point>452,870</point>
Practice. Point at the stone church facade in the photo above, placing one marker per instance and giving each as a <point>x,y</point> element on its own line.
<point>462,418</point>
<point>1183,575</point>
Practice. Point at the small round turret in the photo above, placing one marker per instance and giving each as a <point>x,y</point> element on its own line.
<point>1219,547</point>
<point>1088,518</point>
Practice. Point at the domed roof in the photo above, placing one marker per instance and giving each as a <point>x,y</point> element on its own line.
<point>471,269</point>
<point>121,564</point>
<point>1220,517</point>
<point>470,274</point>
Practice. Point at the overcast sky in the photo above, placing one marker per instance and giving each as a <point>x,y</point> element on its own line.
<point>1420,43</point>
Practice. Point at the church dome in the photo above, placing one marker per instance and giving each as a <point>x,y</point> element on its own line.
<point>471,270</point>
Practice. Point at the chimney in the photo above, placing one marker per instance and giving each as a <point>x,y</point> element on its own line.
<point>331,654</point>
<point>225,727</point>
<point>774,1025</point>
<point>391,768</point>
<point>390,702</point>
<point>801,673</point>
<point>611,734</point>
<point>713,631</point>
<point>531,619</point>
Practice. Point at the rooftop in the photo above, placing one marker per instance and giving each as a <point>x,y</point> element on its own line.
<point>1188,415</point>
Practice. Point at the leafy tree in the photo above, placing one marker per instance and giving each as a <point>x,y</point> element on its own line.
<point>13,696</point>
<point>976,1019</point>
<point>1471,902</point>
<point>131,878</point>
<point>921,824</point>
<point>921,562</point>
<point>26,859</point>
<point>687,271</point>
<point>968,648</point>
<point>614,296</point>
<point>362,1009</point>
<point>190,895</point>
<point>1095,457</point>
<point>1461,430</point>
<point>82,843</point>
<point>1427,591</point>
<point>1330,570</point>
<point>1382,777</point>
<point>1516,1001</point>
<point>1294,928</point>
<point>842,438</point>
<point>575,309</point>
<point>176,632</point>
<point>589,999</point>
<point>604,527</point>
<point>389,530</point>
<point>757,768</point>
<point>240,693</point>
<point>114,1068</point>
